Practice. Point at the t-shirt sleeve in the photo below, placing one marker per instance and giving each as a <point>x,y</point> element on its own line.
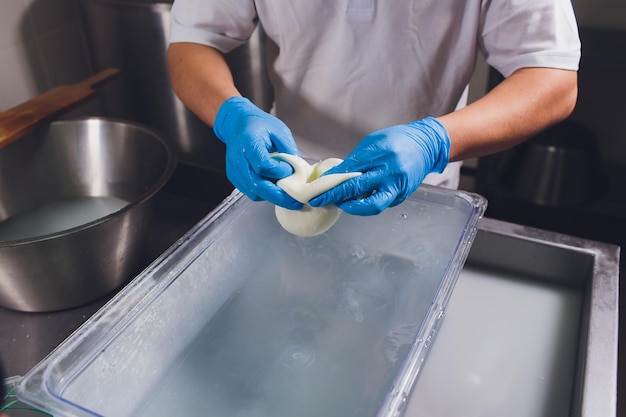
<point>222,24</point>
<point>522,33</point>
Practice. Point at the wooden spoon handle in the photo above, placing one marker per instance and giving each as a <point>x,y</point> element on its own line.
<point>26,117</point>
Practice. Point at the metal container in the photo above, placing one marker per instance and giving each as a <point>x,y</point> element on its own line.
<point>133,35</point>
<point>87,160</point>
<point>531,329</point>
<point>561,166</point>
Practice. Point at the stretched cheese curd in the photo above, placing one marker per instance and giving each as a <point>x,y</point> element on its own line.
<point>305,183</point>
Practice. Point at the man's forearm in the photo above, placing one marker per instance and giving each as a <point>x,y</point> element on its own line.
<point>201,78</point>
<point>525,103</point>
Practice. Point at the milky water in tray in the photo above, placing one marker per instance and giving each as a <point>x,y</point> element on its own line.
<point>241,318</point>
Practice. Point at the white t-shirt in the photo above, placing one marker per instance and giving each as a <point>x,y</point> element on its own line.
<point>344,68</point>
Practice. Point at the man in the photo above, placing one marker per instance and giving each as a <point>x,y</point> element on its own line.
<point>378,82</point>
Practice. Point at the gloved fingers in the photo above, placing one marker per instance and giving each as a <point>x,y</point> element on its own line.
<point>258,188</point>
<point>269,191</point>
<point>257,156</point>
<point>352,164</point>
<point>282,140</point>
<point>275,195</point>
<point>349,190</point>
<point>366,195</point>
<point>370,205</point>
<point>270,168</point>
<point>241,181</point>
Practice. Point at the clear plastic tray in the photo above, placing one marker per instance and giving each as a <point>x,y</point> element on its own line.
<point>240,318</point>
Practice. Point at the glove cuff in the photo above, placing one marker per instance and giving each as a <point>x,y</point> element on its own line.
<point>439,146</point>
<point>224,120</point>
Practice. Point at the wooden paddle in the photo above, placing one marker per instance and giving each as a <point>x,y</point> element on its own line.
<point>26,117</point>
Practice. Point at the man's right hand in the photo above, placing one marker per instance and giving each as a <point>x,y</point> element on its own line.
<point>251,135</point>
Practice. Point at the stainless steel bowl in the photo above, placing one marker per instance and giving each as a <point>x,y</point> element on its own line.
<point>77,160</point>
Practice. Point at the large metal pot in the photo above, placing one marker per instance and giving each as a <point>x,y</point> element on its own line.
<point>77,161</point>
<point>133,35</point>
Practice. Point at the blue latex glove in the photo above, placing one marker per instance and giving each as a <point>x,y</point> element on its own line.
<point>394,161</point>
<point>250,135</point>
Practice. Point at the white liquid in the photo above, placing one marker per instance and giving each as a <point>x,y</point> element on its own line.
<point>271,325</point>
<point>58,216</point>
<point>314,347</point>
<point>507,347</point>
